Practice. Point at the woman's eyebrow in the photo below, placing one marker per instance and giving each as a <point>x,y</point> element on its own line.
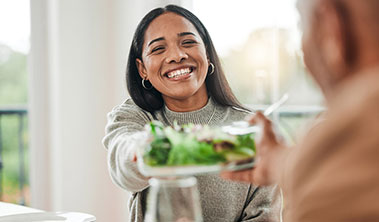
<point>155,40</point>
<point>162,38</point>
<point>186,33</point>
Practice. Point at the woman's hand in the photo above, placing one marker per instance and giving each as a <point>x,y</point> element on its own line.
<point>270,153</point>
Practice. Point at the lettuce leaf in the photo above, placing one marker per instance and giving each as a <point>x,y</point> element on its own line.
<point>195,145</point>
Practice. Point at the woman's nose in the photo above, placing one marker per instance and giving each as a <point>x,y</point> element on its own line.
<point>176,54</point>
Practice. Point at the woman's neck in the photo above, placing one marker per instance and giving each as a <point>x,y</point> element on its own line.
<point>192,103</point>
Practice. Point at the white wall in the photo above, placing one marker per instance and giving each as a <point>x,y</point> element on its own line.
<point>78,56</point>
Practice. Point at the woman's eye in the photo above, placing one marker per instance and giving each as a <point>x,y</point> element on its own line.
<point>157,49</point>
<point>189,42</point>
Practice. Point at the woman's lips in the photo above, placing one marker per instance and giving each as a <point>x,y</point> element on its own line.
<point>179,74</point>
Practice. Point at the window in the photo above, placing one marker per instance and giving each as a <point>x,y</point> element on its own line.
<point>14,47</point>
<point>260,47</point>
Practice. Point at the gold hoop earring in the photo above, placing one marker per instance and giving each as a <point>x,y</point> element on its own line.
<point>212,68</point>
<point>143,85</point>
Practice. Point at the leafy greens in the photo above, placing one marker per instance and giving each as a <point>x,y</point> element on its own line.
<point>195,145</point>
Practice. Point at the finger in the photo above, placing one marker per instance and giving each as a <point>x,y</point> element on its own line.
<point>257,118</point>
<point>266,125</point>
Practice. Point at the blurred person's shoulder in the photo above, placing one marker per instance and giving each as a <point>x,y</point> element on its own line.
<point>338,158</point>
<point>352,115</point>
<point>357,96</point>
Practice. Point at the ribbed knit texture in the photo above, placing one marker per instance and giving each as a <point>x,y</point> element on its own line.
<point>221,200</point>
<point>202,116</point>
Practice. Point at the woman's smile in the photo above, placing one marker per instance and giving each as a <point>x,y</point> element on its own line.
<point>179,73</point>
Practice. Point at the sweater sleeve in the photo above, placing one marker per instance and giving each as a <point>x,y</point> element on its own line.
<point>263,205</point>
<point>124,133</point>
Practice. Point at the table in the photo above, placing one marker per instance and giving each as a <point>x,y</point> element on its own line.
<point>16,213</point>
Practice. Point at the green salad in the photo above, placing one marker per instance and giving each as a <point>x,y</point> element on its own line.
<point>195,145</point>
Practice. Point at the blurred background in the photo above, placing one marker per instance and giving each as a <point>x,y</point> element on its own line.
<point>62,67</point>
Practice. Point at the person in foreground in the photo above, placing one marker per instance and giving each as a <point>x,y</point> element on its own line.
<point>174,74</point>
<point>332,175</point>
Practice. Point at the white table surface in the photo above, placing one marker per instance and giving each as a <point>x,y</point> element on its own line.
<point>13,212</point>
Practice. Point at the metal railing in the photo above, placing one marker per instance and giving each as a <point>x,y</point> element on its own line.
<point>283,112</point>
<point>20,113</point>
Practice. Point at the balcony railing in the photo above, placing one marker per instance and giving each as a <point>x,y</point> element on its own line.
<point>20,113</point>
<point>286,116</point>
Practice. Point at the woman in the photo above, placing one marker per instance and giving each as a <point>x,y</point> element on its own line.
<point>174,73</point>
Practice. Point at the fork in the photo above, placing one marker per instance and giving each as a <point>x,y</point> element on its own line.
<point>244,127</point>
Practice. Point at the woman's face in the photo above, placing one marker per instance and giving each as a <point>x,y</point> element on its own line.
<point>174,58</point>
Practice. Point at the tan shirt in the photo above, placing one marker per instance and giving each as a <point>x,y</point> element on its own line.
<point>333,175</point>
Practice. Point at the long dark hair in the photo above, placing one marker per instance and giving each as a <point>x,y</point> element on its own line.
<point>151,100</point>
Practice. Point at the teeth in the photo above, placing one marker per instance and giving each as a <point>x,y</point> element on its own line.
<point>179,72</point>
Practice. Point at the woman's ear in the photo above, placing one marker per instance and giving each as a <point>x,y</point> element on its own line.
<point>141,69</point>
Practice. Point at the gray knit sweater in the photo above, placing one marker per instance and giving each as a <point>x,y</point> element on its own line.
<point>221,200</point>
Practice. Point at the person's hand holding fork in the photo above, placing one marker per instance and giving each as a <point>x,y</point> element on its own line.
<point>270,155</point>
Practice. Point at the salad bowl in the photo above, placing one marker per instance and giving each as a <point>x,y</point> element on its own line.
<point>193,150</point>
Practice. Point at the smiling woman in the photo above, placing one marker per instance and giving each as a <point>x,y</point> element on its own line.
<point>189,40</point>
<point>174,60</point>
<point>174,74</point>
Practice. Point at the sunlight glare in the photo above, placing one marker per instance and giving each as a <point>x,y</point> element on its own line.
<point>15,24</point>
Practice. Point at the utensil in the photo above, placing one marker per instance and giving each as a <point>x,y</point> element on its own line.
<point>244,127</point>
